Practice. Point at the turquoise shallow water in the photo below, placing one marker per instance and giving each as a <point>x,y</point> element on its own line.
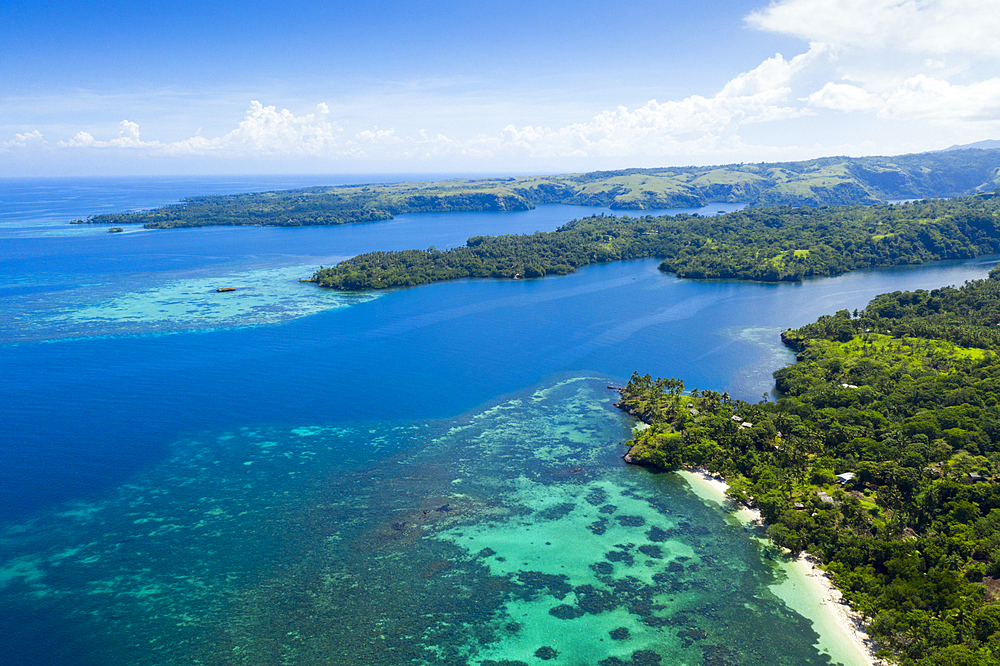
<point>427,476</point>
<point>490,536</point>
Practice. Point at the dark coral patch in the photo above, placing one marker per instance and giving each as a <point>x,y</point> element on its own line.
<point>594,601</point>
<point>620,634</point>
<point>546,653</point>
<point>656,534</point>
<point>620,556</point>
<point>597,496</point>
<point>536,581</point>
<point>599,526</point>
<point>604,568</point>
<point>692,634</point>
<point>631,521</point>
<point>556,512</point>
<point>566,612</point>
<point>646,658</point>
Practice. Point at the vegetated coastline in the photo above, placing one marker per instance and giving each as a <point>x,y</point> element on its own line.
<point>807,589</point>
<point>881,459</point>
<point>819,182</point>
<point>763,244</point>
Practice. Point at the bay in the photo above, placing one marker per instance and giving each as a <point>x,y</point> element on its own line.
<point>428,475</point>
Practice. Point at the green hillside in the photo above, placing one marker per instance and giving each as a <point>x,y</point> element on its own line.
<point>819,182</point>
<point>881,458</point>
<point>777,244</point>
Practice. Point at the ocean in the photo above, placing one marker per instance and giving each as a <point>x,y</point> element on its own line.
<point>284,474</point>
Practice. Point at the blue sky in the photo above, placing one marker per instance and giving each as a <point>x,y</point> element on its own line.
<point>485,87</point>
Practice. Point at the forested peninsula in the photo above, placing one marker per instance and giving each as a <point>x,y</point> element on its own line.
<point>881,458</point>
<point>818,182</point>
<point>766,244</point>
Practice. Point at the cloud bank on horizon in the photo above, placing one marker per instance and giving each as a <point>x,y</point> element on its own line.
<point>871,77</point>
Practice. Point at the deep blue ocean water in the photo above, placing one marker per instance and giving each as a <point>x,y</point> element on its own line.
<point>255,477</point>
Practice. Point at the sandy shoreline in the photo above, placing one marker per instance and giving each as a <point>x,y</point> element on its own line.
<point>806,589</point>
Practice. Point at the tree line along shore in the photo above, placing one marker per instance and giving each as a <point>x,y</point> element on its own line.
<point>818,182</point>
<point>881,457</point>
<point>765,244</point>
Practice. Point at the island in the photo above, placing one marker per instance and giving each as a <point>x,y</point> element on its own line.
<point>782,243</point>
<point>880,458</point>
<point>818,182</point>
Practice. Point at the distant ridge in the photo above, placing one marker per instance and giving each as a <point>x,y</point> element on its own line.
<point>988,144</point>
<point>826,181</point>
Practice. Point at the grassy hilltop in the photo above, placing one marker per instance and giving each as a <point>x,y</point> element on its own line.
<point>818,182</point>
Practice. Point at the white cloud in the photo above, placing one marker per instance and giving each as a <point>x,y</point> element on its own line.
<point>33,137</point>
<point>82,140</point>
<point>693,124</point>
<point>696,128</point>
<point>128,136</point>
<point>690,126</point>
<point>771,75</point>
<point>377,136</point>
<point>844,97</point>
<point>901,60</point>
<point>931,27</point>
<point>655,128</point>
<point>264,129</point>
<point>924,97</point>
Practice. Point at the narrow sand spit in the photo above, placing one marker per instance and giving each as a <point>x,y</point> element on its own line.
<point>805,589</point>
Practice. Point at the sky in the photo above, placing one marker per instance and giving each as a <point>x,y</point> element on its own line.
<point>258,86</point>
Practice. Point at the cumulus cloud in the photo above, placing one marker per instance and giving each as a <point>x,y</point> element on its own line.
<point>33,137</point>
<point>655,128</point>
<point>771,76</point>
<point>697,127</point>
<point>924,97</point>
<point>929,60</point>
<point>844,97</point>
<point>128,136</point>
<point>693,124</point>
<point>377,136</point>
<point>263,131</point>
<point>266,130</point>
<point>932,27</point>
<point>83,140</point>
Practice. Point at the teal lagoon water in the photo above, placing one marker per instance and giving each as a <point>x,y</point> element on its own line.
<point>426,476</point>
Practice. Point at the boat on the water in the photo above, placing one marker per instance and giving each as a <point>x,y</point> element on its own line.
<point>221,289</point>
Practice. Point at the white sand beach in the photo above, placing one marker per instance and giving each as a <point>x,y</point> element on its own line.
<point>805,588</point>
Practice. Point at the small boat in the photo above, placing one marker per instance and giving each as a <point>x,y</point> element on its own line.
<point>222,289</point>
<point>115,230</point>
